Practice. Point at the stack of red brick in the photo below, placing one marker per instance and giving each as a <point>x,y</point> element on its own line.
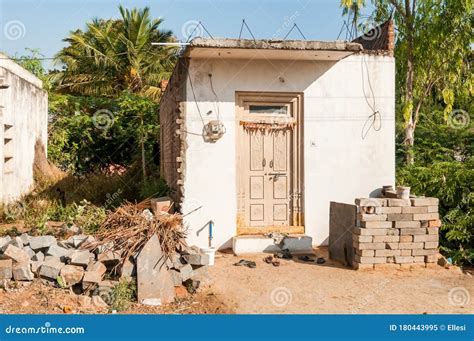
<point>400,232</point>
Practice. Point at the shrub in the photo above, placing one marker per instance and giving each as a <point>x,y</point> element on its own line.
<point>453,184</point>
<point>123,294</point>
<point>90,133</point>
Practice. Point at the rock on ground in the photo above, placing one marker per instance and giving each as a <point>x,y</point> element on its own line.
<point>153,279</point>
<point>42,242</point>
<point>17,254</point>
<point>51,268</point>
<point>72,274</point>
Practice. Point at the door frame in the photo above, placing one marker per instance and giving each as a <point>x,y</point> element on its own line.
<point>295,99</point>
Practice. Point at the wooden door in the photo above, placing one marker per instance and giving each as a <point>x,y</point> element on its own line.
<point>269,163</point>
<point>268,178</point>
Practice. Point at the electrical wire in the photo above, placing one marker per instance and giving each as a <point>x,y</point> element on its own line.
<point>52,58</point>
<point>215,96</point>
<point>375,113</point>
<point>195,100</point>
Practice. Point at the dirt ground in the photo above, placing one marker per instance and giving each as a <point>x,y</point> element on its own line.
<point>296,287</point>
<point>37,298</point>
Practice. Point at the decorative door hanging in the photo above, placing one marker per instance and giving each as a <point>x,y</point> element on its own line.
<point>268,126</point>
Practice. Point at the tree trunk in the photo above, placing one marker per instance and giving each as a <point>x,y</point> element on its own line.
<point>410,124</point>
<point>142,146</point>
<point>409,143</point>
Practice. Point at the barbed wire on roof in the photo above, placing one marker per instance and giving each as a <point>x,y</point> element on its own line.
<point>244,23</point>
<point>299,30</point>
<point>194,30</point>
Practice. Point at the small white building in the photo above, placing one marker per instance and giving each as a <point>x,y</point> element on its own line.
<point>259,136</point>
<point>23,123</point>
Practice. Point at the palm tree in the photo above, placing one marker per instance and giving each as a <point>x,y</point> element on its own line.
<point>351,8</point>
<point>111,56</point>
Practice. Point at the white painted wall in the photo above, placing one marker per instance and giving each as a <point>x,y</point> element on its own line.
<point>25,106</point>
<point>338,164</point>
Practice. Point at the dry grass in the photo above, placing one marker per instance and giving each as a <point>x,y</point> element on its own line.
<point>128,230</point>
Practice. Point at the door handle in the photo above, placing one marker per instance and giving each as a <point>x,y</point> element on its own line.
<point>274,176</point>
<point>264,162</point>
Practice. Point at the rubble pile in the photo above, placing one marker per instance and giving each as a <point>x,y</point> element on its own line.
<point>159,261</point>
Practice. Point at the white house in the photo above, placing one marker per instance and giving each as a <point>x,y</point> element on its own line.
<point>23,123</point>
<point>259,136</point>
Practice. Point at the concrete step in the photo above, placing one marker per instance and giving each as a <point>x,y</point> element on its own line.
<point>297,243</point>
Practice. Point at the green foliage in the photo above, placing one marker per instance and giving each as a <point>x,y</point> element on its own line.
<point>35,213</point>
<point>123,294</point>
<point>434,38</point>
<point>80,143</point>
<point>436,140</point>
<point>32,62</point>
<point>112,56</point>
<point>87,216</point>
<point>61,283</point>
<point>155,187</point>
<point>453,184</point>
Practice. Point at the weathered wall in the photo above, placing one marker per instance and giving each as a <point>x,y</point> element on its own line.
<point>171,120</point>
<point>23,120</point>
<point>338,163</point>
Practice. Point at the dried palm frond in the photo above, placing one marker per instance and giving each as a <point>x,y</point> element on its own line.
<point>127,230</point>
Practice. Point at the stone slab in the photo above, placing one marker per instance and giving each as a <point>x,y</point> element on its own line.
<point>370,232</point>
<point>426,238</point>
<point>370,260</point>
<point>412,231</point>
<point>51,268</point>
<point>154,281</point>
<point>22,272</point>
<point>16,254</point>
<point>80,257</point>
<point>387,210</point>
<point>375,202</point>
<point>426,216</point>
<point>414,209</point>
<point>376,224</point>
<point>424,201</point>
<point>72,274</point>
<point>371,217</point>
<point>398,202</point>
<point>42,242</point>
<point>407,224</point>
<point>6,268</point>
<point>400,217</point>
<point>98,267</point>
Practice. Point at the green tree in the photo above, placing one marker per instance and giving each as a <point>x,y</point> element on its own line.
<point>32,61</point>
<point>433,43</point>
<point>352,9</point>
<point>111,56</point>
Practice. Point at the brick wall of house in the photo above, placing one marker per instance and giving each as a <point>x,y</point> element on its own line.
<point>172,137</point>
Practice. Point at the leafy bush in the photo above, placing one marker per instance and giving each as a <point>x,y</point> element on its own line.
<point>453,184</point>
<point>155,187</point>
<point>35,213</point>
<point>123,294</point>
<point>90,133</point>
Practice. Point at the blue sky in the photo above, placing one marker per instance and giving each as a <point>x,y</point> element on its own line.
<point>43,24</point>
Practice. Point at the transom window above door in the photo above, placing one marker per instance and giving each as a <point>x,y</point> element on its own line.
<point>268,109</point>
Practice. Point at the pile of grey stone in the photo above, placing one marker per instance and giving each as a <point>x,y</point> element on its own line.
<point>73,263</point>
